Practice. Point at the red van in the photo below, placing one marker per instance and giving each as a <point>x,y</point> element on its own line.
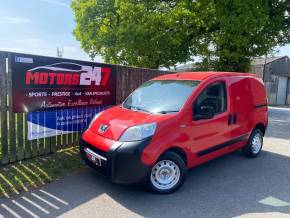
<point>175,122</point>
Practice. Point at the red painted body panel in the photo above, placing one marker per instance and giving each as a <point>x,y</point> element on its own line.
<point>242,106</point>
<point>119,119</point>
<point>97,141</point>
<point>244,92</point>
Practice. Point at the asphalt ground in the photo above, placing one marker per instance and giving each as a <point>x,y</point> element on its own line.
<point>230,186</point>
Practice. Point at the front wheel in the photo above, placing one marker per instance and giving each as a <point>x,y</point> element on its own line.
<point>254,145</point>
<point>168,173</point>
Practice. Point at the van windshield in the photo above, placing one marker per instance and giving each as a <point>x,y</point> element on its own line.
<point>160,96</point>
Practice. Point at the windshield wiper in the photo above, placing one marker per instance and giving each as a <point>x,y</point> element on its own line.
<point>166,112</point>
<point>136,108</point>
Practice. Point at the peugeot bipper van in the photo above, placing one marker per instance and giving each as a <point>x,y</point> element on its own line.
<point>175,122</point>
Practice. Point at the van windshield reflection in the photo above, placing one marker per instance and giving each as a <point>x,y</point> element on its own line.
<point>160,96</point>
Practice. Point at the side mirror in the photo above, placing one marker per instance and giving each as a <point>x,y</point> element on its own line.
<point>205,112</point>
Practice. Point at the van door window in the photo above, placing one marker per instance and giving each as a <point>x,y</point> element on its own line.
<point>214,96</point>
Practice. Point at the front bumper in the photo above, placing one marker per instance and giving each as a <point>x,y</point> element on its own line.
<point>121,163</point>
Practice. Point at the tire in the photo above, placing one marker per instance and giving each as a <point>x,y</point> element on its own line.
<point>254,144</point>
<point>169,165</point>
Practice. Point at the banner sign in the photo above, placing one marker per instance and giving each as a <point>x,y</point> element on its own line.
<point>42,124</point>
<point>42,83</point>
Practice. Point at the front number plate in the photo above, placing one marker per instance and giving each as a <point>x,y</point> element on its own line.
<point>96,160</point>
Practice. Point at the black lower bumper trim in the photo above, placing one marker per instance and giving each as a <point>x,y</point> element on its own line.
<point>123,163</point>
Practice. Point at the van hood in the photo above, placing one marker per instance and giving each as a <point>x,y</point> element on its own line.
<point>117,119</point>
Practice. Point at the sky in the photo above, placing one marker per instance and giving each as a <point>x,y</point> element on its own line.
<point>40,26</point>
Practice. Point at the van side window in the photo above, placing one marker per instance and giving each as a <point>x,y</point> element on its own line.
<point>215,96</point>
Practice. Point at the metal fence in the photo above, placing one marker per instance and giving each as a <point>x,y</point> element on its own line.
<point>14,144</point>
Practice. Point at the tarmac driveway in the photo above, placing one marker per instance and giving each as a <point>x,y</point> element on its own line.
<point>229,186</point>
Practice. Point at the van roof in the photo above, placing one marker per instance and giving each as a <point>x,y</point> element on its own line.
<point>200,76</point>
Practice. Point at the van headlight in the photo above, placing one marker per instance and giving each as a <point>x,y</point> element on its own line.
<point>94,118</point>
<point>136,133</point>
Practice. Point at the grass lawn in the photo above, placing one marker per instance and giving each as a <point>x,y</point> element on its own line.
<point>25,175</point>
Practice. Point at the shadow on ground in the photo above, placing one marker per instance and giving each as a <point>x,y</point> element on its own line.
<point>229,186</point>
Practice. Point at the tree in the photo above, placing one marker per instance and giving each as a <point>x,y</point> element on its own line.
<point>226,34</point>
<point>242,29</point>
<point>125,32</point>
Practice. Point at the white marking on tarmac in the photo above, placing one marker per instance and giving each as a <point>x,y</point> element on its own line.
<point>274,202</point>
<point>54,197</point>
<point>10,211</point>
<point>35,205</point>
<point>279,108</point>
<point>25,209</point>
<point>45,201</point>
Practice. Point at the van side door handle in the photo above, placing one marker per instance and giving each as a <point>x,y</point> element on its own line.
<point>235,118</point>
<point>230,119</point>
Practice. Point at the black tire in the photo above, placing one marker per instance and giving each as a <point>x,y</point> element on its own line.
<point>168,157</point>
<point>249,150</point>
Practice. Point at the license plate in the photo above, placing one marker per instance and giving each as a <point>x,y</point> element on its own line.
<point>96,160</point>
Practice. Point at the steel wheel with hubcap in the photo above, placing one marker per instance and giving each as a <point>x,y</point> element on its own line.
<point>255,144</point>
<point>165,174</point>
<point>168,173</point>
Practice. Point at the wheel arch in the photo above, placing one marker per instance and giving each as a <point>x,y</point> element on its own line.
<point>261,127</point>
<point>178,151</point>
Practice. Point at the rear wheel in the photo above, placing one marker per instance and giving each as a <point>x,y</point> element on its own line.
<point>254,145</point>
<point>168,173</point>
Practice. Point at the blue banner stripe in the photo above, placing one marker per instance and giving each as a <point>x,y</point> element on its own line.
<point>75,119</point>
